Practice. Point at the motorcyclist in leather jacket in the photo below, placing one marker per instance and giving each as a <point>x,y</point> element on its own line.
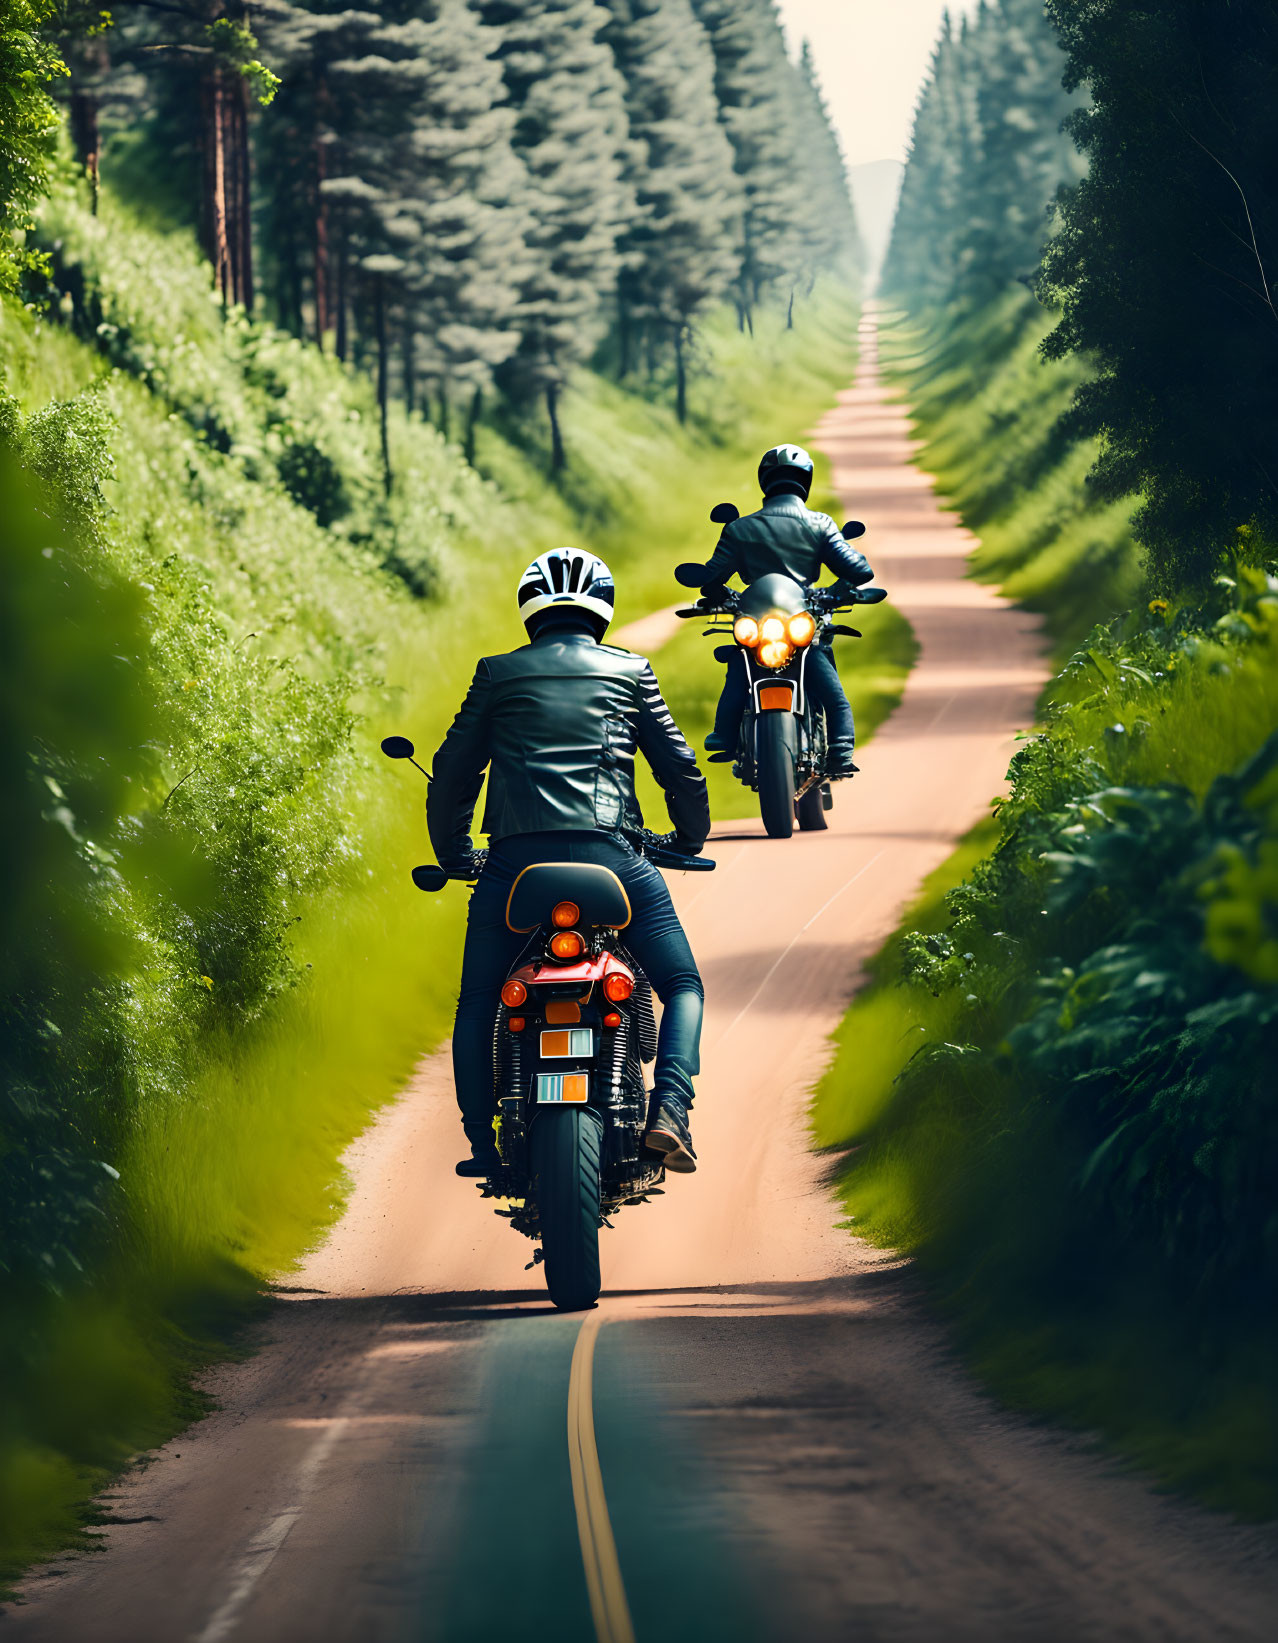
<point>786,535</point>
<point>557,724</point>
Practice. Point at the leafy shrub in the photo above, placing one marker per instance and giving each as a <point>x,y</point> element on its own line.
<point>1080,1150</point>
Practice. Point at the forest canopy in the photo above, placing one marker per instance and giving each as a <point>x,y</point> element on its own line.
<point>472,196</point>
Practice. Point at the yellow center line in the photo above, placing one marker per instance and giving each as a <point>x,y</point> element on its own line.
<point>608,1606</point>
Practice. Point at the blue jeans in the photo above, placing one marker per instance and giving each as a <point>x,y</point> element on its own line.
<point>824,686</point>
<point>654,936</point>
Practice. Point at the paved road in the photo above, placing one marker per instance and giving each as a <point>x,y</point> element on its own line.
<point>759,1434</point>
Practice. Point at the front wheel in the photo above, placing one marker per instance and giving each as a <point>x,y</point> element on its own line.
<point>566,1148</point>
<point>777,744</point>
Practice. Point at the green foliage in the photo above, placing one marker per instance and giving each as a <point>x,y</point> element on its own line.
<point>1077,1150</point>
<point>1163,267</point>
<point>990,412</point>
<point>28,119</point>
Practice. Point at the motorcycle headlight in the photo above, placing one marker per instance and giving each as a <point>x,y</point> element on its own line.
<point>772,628</point>
<point>801,629</point>
<point>775,652</point>
<point>745,630</point>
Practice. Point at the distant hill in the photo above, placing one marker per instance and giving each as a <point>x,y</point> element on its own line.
<point>874,190</point>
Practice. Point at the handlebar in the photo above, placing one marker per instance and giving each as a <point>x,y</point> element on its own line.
<point>662,852</point>
<point>822,601</point>
<point>657,847</point>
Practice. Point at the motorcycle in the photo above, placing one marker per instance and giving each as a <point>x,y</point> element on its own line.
<point>775,623</point>
<point>573,1029</point>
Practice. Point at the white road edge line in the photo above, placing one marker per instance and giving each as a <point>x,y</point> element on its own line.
<point>262,1549</point>
<point>846,885</point>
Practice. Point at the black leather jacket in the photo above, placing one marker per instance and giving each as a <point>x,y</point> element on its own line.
<point>786,536</point>
<point>560,721</point>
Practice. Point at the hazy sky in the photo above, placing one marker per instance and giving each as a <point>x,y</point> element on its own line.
<point>871,56</point>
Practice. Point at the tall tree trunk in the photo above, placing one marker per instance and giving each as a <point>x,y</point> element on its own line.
<point>383,384</point>
<point>237,108</point>
<point>789,313</point>
<point>681,375</point>
<point>220,247</point>
<point>322,318</point>
<point>556,437</point>
<point>408,361</point>
<point>445,409</point>
<point>290,297</point>
<point>213,178</point>
<point>343,258</point>
<point>472,423</point>
<point>84,135</point>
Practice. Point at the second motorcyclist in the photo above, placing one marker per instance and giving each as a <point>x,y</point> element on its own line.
<point>557,724</point>
<point>786,536</point>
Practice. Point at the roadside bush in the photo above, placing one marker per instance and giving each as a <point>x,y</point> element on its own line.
<point>1078,1140</point>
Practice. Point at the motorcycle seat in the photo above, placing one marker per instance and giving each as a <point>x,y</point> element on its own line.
<point>597,891</point>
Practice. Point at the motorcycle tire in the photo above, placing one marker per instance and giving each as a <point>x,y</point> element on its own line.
<point>810,811</point>
<point>566,1150</point>
<point>777,743</point>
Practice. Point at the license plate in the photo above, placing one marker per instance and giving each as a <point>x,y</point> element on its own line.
<point>577,1042</point>
<point>561,1089</point>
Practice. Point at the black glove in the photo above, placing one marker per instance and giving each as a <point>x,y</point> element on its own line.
<point>466,867</point>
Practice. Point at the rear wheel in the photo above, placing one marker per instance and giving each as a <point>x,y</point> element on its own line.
<point>777,746</point>
<point>566,1147</point>
<point>811,812</point>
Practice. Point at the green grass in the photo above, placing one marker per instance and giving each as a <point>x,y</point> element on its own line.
<point>271,973</point>
<point>988,411</point>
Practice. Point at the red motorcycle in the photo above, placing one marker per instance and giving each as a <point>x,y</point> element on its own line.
<point>573,1030</point>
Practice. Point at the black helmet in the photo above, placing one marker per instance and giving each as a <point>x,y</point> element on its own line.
<point>786,468</point>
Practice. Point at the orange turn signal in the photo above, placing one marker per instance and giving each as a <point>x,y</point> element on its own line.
<point>513,994</point>
<point>515,1024</point>
<point>618,987</point>
<point>565,915</point>
<point>612,1019</point>
<point>568,944</point>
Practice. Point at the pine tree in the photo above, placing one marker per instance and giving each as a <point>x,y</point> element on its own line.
<point>987,157</point>
<point>571,134</point>
<point>754,83</point>
<point>921,259</point>
<point>679,253</point>
<point>1022,154</point>
<point>443,227</point>
<point>828,234</point>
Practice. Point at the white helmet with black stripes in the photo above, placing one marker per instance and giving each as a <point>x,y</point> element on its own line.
<point>567,579</point>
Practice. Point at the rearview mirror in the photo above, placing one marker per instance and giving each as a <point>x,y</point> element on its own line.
<point>429,878</point>
<point>870,596</point>
<point>398,747</point>
<point>723,513</point>
<point>689,575</point>
<point>853,529</point>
